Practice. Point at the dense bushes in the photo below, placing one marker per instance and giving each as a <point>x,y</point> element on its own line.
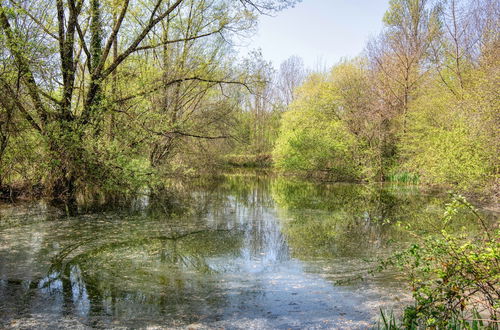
<point>313,137</point>
<point>452,139</point>
<point>421,106</point>
<point>449,147</point>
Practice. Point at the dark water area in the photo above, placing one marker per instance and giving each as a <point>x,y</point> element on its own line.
<point>240,252</point>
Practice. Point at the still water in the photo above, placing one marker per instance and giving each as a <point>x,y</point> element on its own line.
<point>242,251</point>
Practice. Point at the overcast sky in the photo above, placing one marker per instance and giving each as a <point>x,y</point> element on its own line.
<point>319,31</point>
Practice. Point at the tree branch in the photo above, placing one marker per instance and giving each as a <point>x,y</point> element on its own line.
<point>175,81</point>
<point>34,19</point>
<point>113,35</point>
<point>120,58</point>
<point>179,40</point>
<point>24,68</point>
<point>18,104</point>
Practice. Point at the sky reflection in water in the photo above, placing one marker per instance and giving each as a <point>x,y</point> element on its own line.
<point>242,252</point>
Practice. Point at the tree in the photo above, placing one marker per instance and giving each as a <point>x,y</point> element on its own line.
<point>398,56</point>
<point>67,87</point>
<point>291,75</point>
<point>451,138</point>
<point>313,137</point>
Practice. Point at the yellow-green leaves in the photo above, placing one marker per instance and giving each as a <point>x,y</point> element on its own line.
<point>313,137</point>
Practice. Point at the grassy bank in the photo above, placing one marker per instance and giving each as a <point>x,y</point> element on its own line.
<point>263,160</point>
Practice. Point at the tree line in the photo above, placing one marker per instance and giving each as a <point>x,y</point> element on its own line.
<point>105,96</point>
<point>419,105</point>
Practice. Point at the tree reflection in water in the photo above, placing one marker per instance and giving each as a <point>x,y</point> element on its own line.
<point>238,248</point>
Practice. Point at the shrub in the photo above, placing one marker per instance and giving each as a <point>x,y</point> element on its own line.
<point>313,138</point>
<point>454,277</point>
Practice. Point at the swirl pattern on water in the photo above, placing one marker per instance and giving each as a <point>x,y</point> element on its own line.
<point>242,252</point>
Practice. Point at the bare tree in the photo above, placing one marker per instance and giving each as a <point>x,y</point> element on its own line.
<point>291,75</point>
<point>399,55</point>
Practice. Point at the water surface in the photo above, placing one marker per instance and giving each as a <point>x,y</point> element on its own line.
<point>237,252</point>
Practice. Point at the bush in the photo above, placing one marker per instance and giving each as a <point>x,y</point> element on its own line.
<point>451,140</point>
<point>313,139</point>
<point>249,160</point>
<point>454,277</point>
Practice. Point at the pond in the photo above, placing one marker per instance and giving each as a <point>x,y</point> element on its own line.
<point>242,251</point>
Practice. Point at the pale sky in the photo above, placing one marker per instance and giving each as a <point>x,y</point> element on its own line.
<point>321,31</point>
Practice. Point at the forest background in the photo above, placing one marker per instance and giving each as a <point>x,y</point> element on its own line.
<point>107,97</point>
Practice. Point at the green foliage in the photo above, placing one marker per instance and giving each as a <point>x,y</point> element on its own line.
<point>255,131</point>
<point>245,160</point>
<point>142,89</point>
<point>110,110</point>
<point>454,277</point>
<point>312,138</point>
<point>391,322</point>
<point>19,166</point>
<point>421,108</point>
<point>99,167</point>
<point>450,140</point>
